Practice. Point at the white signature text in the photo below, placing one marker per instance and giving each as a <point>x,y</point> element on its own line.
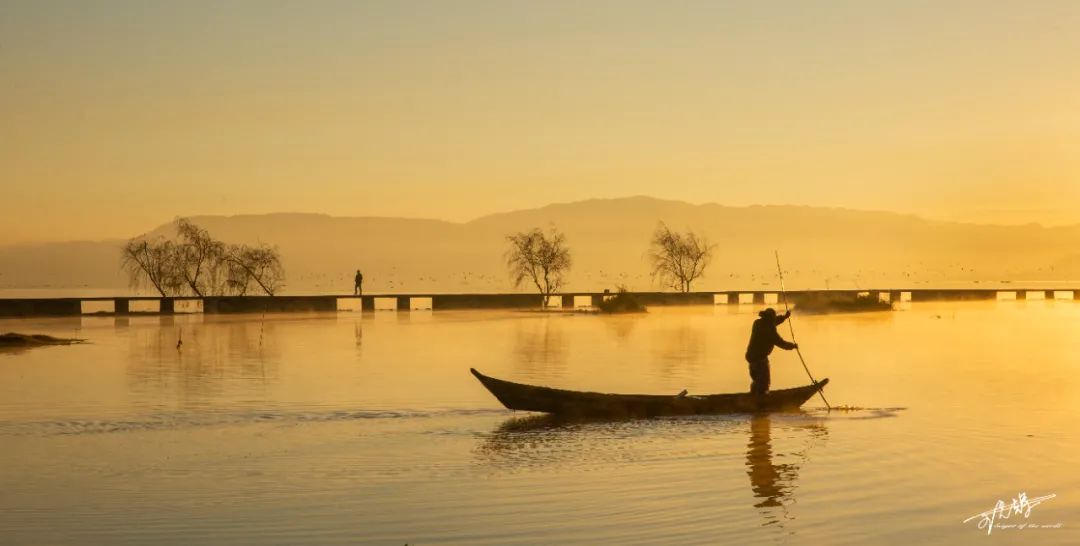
<point>1021,505</point>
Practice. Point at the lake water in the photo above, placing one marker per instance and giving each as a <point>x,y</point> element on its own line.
<point>368,429</point>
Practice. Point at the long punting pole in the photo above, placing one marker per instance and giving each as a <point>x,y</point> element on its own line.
<point>783,292</point>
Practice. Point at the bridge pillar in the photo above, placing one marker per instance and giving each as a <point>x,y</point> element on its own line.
<point>121,306</point>
<point>404,303</point>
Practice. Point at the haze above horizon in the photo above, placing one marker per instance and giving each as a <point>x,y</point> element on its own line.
<point>662,209</point>
<point>122,115</point>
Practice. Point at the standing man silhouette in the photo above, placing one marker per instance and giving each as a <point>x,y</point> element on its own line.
<point>358,287</point>
<point>763,337</point>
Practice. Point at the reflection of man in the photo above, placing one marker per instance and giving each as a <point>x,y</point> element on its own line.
<point>765,478</point>
<point>774,484</point>
<point>763,337</point>
<point>358,284</point>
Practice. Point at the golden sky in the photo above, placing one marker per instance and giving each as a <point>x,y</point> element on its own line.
<point>118,116</point>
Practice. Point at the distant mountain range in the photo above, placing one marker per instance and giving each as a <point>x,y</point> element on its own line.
<point>609,240</point>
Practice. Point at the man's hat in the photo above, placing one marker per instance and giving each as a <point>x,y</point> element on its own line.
<point>768,312</point>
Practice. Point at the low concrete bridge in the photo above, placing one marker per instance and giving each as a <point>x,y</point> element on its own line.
<point>125,305</point>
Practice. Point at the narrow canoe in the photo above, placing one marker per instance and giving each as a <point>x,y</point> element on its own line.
<point>518,396</point>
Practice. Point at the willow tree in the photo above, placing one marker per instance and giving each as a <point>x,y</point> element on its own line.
<point>678,259</point>
<point>199,258</point>
<point>260,265</point>
<point>151,262</point>
<point>197,264</point>
<point>539,258</point>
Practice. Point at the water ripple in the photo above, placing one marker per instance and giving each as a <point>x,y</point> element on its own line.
<point>181,420</point>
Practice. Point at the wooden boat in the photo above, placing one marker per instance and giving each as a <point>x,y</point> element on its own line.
<point>518,396</point>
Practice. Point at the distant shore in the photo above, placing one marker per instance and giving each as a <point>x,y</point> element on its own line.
<point>41,292</point>
<point>403,302</point>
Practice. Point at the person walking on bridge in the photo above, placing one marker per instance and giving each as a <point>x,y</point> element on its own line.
<point>358,284</point>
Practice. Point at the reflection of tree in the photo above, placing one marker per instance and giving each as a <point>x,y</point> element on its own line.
<point>773,484</point>
<point>621,326</point>
<point>215,357</point>
<point>678,351</point>
<point>540,346</point>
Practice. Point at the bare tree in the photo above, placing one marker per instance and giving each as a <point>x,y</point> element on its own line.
<point>678,259</point>
<point>540,258</point>
<point>260,264</point>
<point>152,262</point>
<point>237,279</point>
<point>199,264</point>
<point>198,257</point>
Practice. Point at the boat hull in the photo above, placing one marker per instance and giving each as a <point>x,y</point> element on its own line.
<point>522,397</point>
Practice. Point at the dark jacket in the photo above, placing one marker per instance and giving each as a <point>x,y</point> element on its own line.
<point>764,337</point>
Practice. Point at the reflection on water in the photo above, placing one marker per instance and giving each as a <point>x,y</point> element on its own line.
<point>678,351</point>
<point>535,440</point>
<point>773,482</point>
<point>539,441</point>
<point>622,327</point>
<point>195,361</point>
<point>543,440</point>
<point>368,428</point>
<point>540,346</point>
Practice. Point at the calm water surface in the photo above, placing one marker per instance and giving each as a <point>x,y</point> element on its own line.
<point>350,429</point>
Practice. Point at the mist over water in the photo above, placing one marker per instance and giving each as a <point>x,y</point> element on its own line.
<point>350,428</point>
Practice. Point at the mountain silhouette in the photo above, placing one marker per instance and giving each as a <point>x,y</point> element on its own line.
<point>608,239</point>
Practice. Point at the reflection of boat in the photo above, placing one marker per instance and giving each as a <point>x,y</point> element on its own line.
<point>518,396</point>
<point>773,461</point>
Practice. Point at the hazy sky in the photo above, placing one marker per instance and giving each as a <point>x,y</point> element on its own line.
<point>118,116</point>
